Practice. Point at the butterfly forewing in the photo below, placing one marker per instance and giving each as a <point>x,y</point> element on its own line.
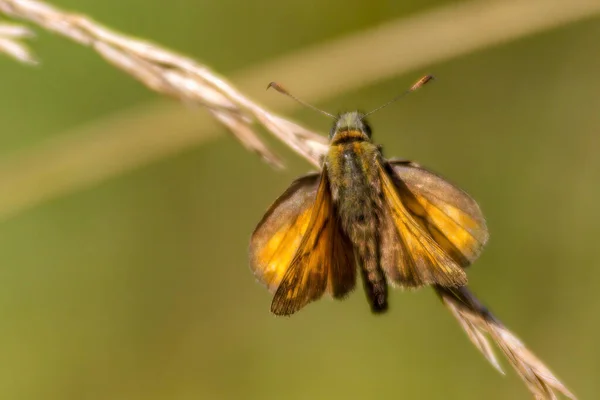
<point>278,235</point>
<point>449,214</point>
<point>410,255</point>
<point>298,249</point>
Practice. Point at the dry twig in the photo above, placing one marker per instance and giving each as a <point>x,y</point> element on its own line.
<point>11,44</point>
<point>185,79</point>
<point>477,320</point>
<point>175,75</point>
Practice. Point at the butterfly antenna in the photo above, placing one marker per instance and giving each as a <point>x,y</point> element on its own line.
<point>418,84</point>
<point>281,90</point>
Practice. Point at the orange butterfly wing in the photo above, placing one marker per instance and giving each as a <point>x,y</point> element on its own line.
<point>278,235</point>
<point>448,213</point>
<point>298,249</point>
<point>411,255</point>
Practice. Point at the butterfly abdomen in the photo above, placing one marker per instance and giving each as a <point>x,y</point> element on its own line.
<point>356,190</point>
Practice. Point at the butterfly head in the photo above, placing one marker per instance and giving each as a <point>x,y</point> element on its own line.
<point>353,123</point>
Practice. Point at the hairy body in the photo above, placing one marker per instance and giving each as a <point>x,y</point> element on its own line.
<point>352,165</point>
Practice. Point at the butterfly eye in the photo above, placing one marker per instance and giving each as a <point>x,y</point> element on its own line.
<point>366,128</point>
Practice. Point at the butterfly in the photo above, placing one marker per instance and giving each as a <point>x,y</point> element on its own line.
<point>393,220</point>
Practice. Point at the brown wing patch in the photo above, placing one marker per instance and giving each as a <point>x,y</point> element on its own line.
<point>298,249</point>
<point>410,256</point>
<point>451,216</point>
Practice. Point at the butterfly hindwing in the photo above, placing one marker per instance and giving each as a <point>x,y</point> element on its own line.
<point>298,249</point>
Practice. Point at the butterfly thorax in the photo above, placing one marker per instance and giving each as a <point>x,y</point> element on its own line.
<point>352,167</point>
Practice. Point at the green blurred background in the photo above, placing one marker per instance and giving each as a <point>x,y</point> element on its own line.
<point>139,288</point>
